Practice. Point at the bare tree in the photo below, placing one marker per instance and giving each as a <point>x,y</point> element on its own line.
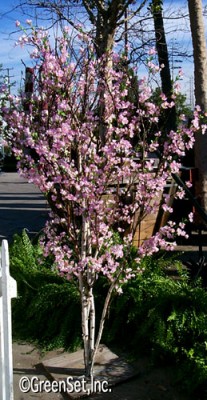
<point>127,24</point>
<point>103,18</point>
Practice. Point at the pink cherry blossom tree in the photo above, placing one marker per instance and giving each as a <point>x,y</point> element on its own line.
<point>95,187</point>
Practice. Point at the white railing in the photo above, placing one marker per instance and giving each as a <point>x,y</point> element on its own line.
<point>8,290</point>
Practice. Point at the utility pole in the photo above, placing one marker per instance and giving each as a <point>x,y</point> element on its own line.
<point>7,77</point>
<point>174,62</point>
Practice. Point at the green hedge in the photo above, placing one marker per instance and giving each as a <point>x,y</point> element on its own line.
<point>165,317</point>
<point>47,309</point>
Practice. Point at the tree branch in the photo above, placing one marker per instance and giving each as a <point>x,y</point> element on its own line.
<point>89,12</point>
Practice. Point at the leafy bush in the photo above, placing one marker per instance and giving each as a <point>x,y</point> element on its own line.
<point>47,309</point>
<point>166,317</point>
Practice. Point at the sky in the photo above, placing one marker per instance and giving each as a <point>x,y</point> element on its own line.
<point>10,56</point>
<point>14,59</point>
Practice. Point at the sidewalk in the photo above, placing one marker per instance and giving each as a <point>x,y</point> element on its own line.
<point>25,357</point>
<point>149,383</point>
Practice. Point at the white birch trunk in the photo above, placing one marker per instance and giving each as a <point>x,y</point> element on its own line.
<point>102,321</point>
<point>88,326</point>
<point>86,281</point>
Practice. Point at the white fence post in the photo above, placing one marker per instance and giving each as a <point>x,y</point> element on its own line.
<point>8,290</point>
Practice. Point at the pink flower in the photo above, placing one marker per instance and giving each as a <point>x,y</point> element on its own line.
<point>180,73</point>
<point>67,29</point>
<point>163,97</point>
<point>191,217</point>
<point>152,51</point>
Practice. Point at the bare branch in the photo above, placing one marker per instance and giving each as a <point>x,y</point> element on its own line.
<point>132,13</point>
<point>89,11</point>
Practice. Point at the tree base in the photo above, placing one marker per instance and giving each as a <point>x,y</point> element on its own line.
<point>67,371</point>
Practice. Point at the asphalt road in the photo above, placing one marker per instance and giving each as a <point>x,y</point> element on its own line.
<point>22,206</point>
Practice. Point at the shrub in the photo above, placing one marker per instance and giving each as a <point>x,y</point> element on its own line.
<point>166,317</point>
<point>47,309</point>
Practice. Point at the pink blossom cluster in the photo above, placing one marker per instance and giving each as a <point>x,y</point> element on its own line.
<point>88,148</point>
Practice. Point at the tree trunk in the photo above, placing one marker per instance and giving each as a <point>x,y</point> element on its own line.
<point>88,325</point>
<point>162,52</point>
<point>168,122</point>
<point>200,76</point>
<point>104,41</point>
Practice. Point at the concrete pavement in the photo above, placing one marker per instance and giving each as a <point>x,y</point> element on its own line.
<point>25,357</point>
